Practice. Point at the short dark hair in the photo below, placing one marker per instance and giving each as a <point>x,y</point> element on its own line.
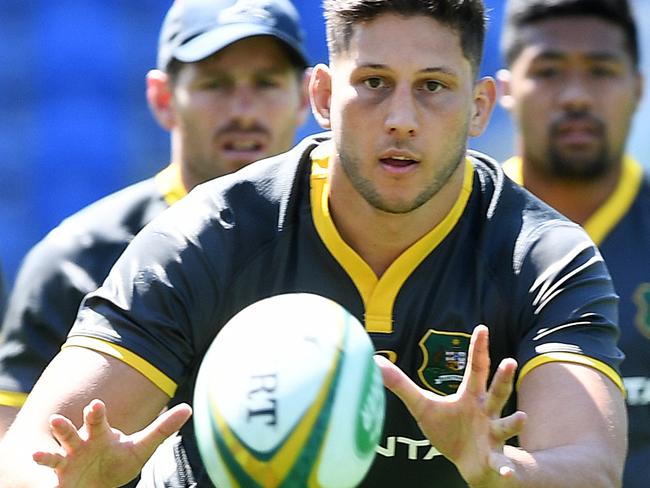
<point>520,13</point>
<point>467,17</point>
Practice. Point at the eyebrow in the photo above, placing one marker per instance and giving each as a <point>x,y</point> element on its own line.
<point>592,56</point>
<point>432,69</point>
<point>267,71</point>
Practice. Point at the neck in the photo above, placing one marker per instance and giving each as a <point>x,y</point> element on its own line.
<point>179,159</point>
<point>380,237</point>
<point>577,200</point>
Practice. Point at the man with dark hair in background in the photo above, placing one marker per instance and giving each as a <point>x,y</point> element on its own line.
<point>572,86</point>
<point>230,88</point>
<point>390,216</point>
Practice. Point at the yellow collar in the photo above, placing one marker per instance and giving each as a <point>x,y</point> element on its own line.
<point>170,184</point>
<point>378,294</point>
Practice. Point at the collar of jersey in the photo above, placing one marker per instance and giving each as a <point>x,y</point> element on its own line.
<point>170,184</point>
<point>610,213</point>
<point>378,294</point>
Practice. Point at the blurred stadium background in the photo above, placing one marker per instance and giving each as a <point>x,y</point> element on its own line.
<point>74,124</point>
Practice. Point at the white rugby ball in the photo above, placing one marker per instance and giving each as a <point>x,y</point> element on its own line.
<point>288,395</point>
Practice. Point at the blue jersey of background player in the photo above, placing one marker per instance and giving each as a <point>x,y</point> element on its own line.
<point>230,89</point>
<point>393,218</point>
<point>572,87</point>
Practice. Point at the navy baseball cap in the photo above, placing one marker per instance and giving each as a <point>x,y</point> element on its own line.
<point>195,29</point>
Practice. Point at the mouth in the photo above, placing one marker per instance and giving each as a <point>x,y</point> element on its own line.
<point>243,145</point>
<point>577,132</point>
<point>395,162</point>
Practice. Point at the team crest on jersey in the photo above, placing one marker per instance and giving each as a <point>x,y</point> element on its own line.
<point>444,360</point>
<point>642,301</point>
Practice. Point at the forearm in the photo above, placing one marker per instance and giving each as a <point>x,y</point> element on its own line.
<point>561,467</point>
<point>18,469</point>
<point>70,382</point>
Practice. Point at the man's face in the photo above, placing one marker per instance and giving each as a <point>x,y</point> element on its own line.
<point>401,108</point>
<point>572,92</point>
<point>240,105</point>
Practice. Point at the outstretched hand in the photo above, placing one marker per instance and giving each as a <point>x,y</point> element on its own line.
<point>98,455</point>
<point>466,427</point>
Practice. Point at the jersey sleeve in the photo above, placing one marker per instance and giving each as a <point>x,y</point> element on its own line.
<point>157,305</point>
<point>50,286</point>
<point>570,308</point>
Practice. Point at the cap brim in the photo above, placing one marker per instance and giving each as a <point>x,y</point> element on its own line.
<point>217,39</point>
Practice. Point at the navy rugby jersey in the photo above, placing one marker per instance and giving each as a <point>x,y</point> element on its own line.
<point>500,257</point>
<point>59,271</point>
<point>621,229</point>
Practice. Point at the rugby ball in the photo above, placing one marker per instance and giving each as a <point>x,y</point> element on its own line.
<point>288,395</point>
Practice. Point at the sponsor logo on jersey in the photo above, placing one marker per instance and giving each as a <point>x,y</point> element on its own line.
<point>642,301</point>
<point>444,360</point>
<point>413,449</point>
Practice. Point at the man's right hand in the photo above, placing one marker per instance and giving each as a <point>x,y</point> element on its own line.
<point>99,456</point>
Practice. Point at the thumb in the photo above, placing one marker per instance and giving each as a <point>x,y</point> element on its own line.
<point>148,439</point>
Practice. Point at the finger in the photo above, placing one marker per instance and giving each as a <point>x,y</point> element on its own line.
<point>49,459</point>
<point>478,362</point>
<point>507,427</point>
<point>65,432</point>
<point>502,465</point>
<point>95,420</point>
<point>501,387</point>
<point>401,385</point>
<point>147,440</point>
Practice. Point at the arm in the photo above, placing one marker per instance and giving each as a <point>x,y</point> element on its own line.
<point>70,382</point>
<point>580,446</point>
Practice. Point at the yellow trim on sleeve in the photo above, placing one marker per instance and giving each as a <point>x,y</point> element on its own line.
<point>378,295</point>
<point>619,202</point>
<point>157,377</point>
<point>610,213</point>
<point>170,184</point>
<point>569,357</point>
<point>12,399</point>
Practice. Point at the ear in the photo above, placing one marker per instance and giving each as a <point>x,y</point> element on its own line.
<point>503,89</point>
<point>159,98</point>
<point>320,94</point>
<point>485,94</point>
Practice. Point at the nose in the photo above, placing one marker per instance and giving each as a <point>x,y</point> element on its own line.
<point>576,94</point>
<point>243,107</point>
<point>401,120</point>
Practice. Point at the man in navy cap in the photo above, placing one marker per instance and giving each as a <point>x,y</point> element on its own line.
<point>230,87</point>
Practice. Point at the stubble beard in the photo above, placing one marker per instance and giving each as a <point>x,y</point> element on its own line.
<point>581,168</point>
<point>370,194</point>
<point>566,168</point>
